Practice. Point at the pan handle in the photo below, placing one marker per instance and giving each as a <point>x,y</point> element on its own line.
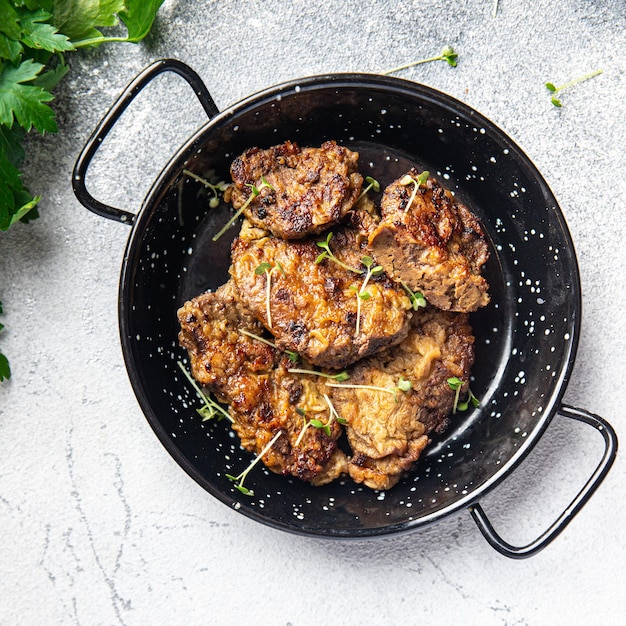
<point>610,450</point>
<point>112,116</point>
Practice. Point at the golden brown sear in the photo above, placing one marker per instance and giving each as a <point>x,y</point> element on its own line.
<point>432,243</point>
<point>319,309</point>
<point>301,191</point>
<point>387,430</point>
<point>264,398</point>
<point>303,286</point>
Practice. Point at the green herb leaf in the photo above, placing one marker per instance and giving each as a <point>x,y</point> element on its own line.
<point>138,17</point>
<point>554,90</point>
<point>22,102</point>
<point>39,34</point>
<point>5,368</point>
<point>9,21</point>
<point>262,268</point>
<point>328,254</point>
<point>447,54</point>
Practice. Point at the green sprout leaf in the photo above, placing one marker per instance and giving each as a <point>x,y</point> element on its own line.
<point>371,270</point>
<point>372,183</point>
<point>254,192</point>
<point>267,269</point>
<point>328,254</point>
<point>211,409</point>
<point>417,299</point>
<point>240,478</point>
<point>447,54</point>
<point>407,179</point>
<point>215,189</point>
<point>555,90</point>
<point>456,384</point>
<point>402,385</point>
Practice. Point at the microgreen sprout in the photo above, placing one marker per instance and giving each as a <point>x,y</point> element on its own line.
<point>241,477</point>
<point>317,423</point>
<point>340,377</point>
<point>403,385</point>
<point>333,412</point>
<point>215,189</point>
<point>327,254</point>
<point>407,179</point>
<point>267,269</point>
<point>555,90</point>
<point>371,270</point>
<point>447,54</point>
<point>455,384</point>
<point>211,409</point>
<point>417,299</point>
<point>255,191</point>
<point>372,183</point>
<point>293,356</point>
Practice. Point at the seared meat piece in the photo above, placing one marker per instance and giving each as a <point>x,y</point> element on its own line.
<point>313,308</point>
<point>263,396</point>
<point>388,430</point>
<point>433,244</point>
<point>310,189</point>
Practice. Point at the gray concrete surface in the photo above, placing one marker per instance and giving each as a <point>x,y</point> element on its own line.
<point>100,526</point>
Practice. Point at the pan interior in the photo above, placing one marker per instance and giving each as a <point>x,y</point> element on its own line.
<point>525,338</point>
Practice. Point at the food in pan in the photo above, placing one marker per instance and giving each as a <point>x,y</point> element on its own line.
<point>432,243</point>
<point>310,307</point>
<point>301,191</point>
<point>319,344</point>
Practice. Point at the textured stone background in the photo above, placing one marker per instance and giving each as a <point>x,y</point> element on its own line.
<point>100,526</point>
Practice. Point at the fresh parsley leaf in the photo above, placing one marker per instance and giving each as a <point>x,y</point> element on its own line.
<point>39,34</point>
<point>34,37</point>
<point>80,19</point>
<point>138,17</point>
<point>9,20</point>
<point>22,102</point>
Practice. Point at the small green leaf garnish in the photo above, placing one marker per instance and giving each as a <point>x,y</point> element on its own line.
<point>317,423</point>
<point>417,299</point>
<point>341,376</point>
<point>327,254</point>
<point>211,409</point>
<point>216,189</point>
<point>372,183</point>
<point>555,90</point>
<point>262,268</point>
<point>371,270</point>
<point>456,384</point>
<point>255,191</point>
<point>407,179</point>
<point>447,54</point>
<point>267,269</point>
<point>241,477</point>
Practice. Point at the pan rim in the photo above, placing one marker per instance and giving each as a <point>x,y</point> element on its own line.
<point>364,81</point>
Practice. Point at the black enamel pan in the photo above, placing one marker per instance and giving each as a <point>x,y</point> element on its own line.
<point>526,338</point>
